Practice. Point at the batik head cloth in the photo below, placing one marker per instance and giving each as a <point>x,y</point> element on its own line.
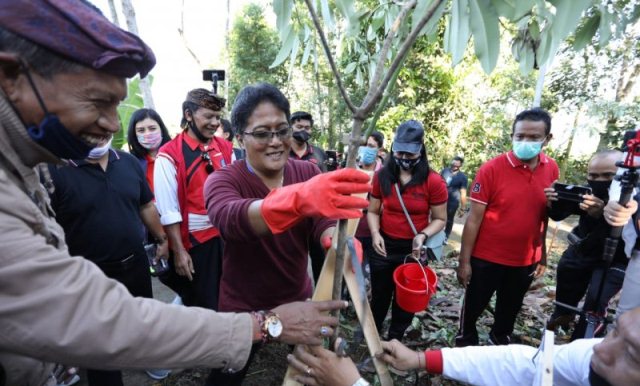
<point>205,98</point>
<point>78,31</point>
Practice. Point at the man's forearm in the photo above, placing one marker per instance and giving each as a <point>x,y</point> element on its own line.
<point>175,239</point>
<point>469,235</point>
<point>151,220</point>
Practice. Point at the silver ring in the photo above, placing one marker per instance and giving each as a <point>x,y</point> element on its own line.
<point>324,330</point>
<point>308,371</point>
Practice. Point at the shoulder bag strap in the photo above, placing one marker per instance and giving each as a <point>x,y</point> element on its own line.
<point>404,209</point>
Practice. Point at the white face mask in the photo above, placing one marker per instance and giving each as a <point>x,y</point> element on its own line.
<point>98,152</point>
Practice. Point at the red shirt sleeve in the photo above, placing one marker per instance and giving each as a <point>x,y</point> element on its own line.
<point>375,191</point>
<point>481,188</point>
<point>437,189</point>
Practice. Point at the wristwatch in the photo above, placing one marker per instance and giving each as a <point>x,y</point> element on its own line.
<point>271,327</point>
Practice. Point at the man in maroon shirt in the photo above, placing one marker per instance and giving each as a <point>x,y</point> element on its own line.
<point>268,207</point>
<point>503,241</point>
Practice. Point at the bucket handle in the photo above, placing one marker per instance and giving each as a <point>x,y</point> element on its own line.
<point>426,278</point>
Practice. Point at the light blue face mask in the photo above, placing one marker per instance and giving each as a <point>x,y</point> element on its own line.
<point>367,155</point>
<point>526,150</point>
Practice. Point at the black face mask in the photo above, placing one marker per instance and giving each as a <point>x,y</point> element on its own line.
<point>194,129</point>
<point>600,189</point>
<point>596,380</point>
<point>51,134</point>
<point>301,136</point>
<point>406,164</point>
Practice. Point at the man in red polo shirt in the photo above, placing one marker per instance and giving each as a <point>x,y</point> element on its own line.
<point>182,166</point>
<point>503,241</point>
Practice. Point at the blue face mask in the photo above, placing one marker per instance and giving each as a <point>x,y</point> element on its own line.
<point>367,155</point>
<point>526,150</point>
<point>53,135</point>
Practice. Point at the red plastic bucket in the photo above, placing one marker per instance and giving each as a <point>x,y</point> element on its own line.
<point>414,286</point>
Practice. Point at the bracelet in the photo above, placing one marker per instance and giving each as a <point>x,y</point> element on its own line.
<point>420,356</point>
<point>259,317</point>
<point>361,382</point>
<point>426,236</point>
<point>161,239</point>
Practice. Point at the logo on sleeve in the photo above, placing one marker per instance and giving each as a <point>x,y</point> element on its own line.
<point>476,188</point>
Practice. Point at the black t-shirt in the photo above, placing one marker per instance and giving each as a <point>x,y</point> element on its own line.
<point>455,182</point>
<point>100,210</point>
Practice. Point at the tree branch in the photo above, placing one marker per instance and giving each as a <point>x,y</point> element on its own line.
<point>386,46</point>
<point>327,51</point>
<point>369,104</point>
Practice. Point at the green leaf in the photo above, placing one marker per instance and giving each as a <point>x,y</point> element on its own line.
<point>307,52</point>
<point>486,34</point>
<point>431,27</point>
<point>568,13</point>
<point>350,67</point>
<point>377,19</point>
<point>457,32</point>
<point>283,9</point>
<point>606,22</point>
<point>534,30</point>
<point>527,59</point>
<point>505,8</point>
<point>522,7</point>
<point>287,46</point>
<point>326,15</point>
<point>584,34</point>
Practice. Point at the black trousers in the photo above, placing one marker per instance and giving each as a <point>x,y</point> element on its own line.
<point>576,275</point>
<point>219,378</point>
<point>383,288</point>
<point>203,291</point>
<point>134,274</point>
<point>510,285</point>
<point>451,215</point>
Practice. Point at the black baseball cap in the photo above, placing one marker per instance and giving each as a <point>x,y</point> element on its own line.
<point>409,137</point>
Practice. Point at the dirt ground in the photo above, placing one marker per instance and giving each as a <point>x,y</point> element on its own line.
<point>432,328</point>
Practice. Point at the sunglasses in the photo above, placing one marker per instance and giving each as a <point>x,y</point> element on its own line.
<point>209,164</point>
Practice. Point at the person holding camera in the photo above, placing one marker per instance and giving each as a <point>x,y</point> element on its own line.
<point>503,240</point>
<point>405,181</point>
<point>581,265</point>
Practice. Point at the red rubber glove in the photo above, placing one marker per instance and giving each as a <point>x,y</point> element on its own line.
<point>325,195</point>
<point>326,244</point>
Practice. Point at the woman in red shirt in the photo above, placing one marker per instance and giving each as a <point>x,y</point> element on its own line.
<point>145,135</point>
<point>424,194</point>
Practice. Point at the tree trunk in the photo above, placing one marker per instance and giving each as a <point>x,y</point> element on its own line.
<point>114,13</point>
<point>567,154</point>
<point>226,48</point>
<point>132,26</point>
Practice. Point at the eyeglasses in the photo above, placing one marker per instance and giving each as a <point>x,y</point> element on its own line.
<point>263,137</point>
<point>209,166</point>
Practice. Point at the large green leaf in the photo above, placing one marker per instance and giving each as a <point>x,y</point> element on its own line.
<point>288,42</point>
<point>128,106</point>
<point>457,32</point>
<point>584,34</point>
<point>505,8</point>
<point>568,14</point>
<point>283,9</point>
<point>486,34</point>
<point>522,7</point>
